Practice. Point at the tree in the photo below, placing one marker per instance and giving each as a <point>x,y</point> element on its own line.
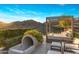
<point>65,22</point>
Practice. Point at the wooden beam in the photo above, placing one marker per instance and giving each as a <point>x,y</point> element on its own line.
<point>46,25</point>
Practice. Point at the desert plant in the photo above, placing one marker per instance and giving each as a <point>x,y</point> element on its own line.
<point>36,34</point>
<point>13,41</point>
<point>76,34</point>
<point>57,29</point>
<point>10,37</point>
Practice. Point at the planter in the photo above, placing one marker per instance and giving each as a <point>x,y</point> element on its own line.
<point>30,41</point>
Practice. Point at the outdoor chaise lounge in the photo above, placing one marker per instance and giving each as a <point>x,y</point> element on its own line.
<point>69,48</point>
<point>27,46</point>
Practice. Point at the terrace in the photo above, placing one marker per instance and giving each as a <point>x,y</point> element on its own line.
<point>59,36</point>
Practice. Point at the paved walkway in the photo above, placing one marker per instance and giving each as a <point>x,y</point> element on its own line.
<point>41,49</point>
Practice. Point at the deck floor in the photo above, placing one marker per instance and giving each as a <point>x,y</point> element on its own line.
<point>44,49</point>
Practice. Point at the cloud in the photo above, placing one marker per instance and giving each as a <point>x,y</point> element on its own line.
<point>10,18</point>
<point>28,15</point>
<point>20,15</point>
<point>17,11</point>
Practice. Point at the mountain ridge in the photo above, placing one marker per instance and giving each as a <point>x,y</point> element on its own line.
<point>24,24</point>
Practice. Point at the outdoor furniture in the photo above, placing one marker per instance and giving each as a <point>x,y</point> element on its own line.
<point>58,43</point>
<point>72,47</point>
<point>58,46</point>
<point>57,52</point>
<point>61,47</point>
<point>51,39</point>
<point>64,47</point>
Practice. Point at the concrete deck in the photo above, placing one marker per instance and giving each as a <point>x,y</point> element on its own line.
<point>45,49</point>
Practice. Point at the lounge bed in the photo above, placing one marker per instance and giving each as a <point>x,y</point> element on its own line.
<point>65,47</point>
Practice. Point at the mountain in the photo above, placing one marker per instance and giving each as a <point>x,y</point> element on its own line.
<point>28,24</point>
<point>24,24</point>
<point>3,25</point>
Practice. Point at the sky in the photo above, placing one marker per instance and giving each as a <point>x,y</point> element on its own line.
<point>37,12</point>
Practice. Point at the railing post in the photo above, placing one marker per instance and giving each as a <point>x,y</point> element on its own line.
<point>62,47</point>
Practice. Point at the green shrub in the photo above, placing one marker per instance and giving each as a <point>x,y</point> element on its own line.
<point>57,29</point>
<point>9,38</point>
<point>36,34</point>
<point>76,34</point>
<point>1,42</point>
<point>13,41</point>
<point>12,33</point>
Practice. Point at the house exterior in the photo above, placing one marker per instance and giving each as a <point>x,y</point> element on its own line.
<point>59,21</point>
<point>55,22</point>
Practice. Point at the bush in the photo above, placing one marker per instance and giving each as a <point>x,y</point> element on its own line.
<point>36,34</point>
<point>57,29</point>
<point>9,38</point>
<point>13,41</point>
<point>76,34</point>
<point>12,33</point>
<point>1,42</point>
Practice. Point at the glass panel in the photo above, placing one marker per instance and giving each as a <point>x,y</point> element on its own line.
<point>76,32</point>
<point>60,26</point>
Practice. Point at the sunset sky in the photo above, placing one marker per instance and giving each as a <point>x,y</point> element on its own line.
<point>38,12</point>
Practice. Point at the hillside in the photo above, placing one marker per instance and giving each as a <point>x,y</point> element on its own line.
<point>24,24</point>
<point>3,25</point>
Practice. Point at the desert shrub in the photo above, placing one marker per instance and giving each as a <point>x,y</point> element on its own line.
<point>76,34</point>
<point>36,34</point>
<point>9,38</point>
<point>1,42</point>
<point>12,33</point>
<point>12,41</point>
<point>57,29</point>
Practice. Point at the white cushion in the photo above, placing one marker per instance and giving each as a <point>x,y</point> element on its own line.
<point>72,46</point>
<point>56,44</point>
